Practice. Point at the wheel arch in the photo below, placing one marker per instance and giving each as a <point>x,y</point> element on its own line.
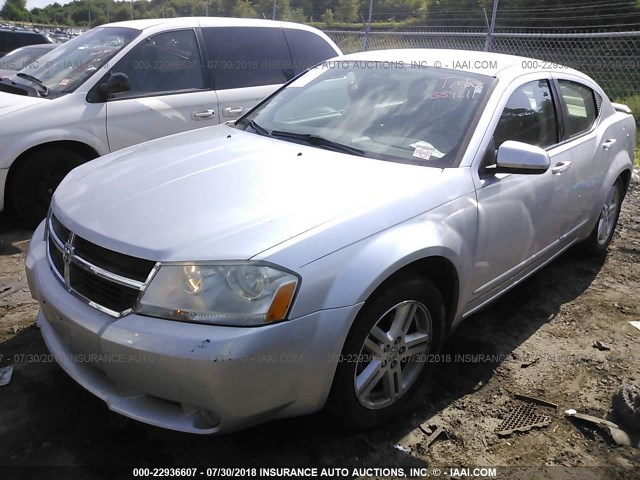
<point>440,271</point>
<point>626,179</point>
<point>623,172</point>
<point>86,151</point>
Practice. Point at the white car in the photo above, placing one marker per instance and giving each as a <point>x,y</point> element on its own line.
<point>125,83</point>
<point>321,249</point>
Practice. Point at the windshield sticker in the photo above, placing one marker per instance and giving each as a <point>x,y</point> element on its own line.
<point>64,81</point>
<point>422,150</point>
<point>423,153</point>
<point>425,150</point>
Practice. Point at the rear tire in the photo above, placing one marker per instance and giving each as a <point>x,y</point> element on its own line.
<point>602,234</point>
<point>386,356</point>
<point>37,177</point>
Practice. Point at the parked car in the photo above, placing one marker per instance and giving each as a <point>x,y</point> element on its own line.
<point>23,57</point>
<point>12,38</point>
<point>125,83</point>
<point>319,250</point>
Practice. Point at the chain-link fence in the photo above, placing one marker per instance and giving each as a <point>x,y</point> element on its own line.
<point>610,58</point>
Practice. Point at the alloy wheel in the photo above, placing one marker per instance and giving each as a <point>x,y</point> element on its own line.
<point>393,354</point>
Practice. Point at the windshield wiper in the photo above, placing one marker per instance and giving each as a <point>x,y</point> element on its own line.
<point>252,123</point>
<point>258,128</point>
<point>317,141</point>
<point>37,81</point>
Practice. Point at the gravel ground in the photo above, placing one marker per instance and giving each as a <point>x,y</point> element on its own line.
<point>540,340</point>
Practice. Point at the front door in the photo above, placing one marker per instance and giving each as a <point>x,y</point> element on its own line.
<point>168,91</point>
<point>520,216</point>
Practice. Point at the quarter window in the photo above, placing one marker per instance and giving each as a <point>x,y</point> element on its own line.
<point>164,63</point>
<point>529,117</point>
<point>579,107</point>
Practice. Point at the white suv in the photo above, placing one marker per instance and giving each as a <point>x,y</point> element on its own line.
<point>125,83</point>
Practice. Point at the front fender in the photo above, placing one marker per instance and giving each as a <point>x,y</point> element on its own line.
<point>21,143</point>
<point>67,118</point>
<point>350,275</point>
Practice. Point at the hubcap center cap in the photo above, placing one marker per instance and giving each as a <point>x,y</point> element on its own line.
<point>392,354</point>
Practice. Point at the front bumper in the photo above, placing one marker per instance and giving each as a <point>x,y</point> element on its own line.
<point>188,377</point>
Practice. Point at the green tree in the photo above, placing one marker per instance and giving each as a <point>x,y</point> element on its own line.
<point>347,10</point>
<point>264,8</point>
<point>244,9</point>
<point>296,15</point>
<point>327,16</point>
<point>15,10</point>
<point>283,10</point>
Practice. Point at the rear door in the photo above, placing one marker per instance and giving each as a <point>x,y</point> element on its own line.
<point>247,64</point>
<point>170,92</point>
<point>592,146</point>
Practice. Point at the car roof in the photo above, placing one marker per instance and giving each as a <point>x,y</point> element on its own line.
<point>20,31</point>
<point>182,22</point>
<point>38,46</point>
<point>485,63</point>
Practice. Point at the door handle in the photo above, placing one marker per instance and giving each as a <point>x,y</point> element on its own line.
<point>560,167</point>
<point>231,111</point>
<point>203,114</point>
<point>608,143</point>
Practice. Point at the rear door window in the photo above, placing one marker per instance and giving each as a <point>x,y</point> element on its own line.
<point>579,107</point>
<point>307,48</point>
<point>247,56</point>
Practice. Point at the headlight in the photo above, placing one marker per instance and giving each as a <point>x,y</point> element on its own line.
<point>239,294</point>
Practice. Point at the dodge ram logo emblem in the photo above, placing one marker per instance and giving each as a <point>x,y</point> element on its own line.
<point>66,254</point>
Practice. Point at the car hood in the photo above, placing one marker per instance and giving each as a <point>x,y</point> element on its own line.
<point>10,102</point>
<point>223,194</point>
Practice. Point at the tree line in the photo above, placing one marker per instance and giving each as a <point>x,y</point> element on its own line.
<point>436,13</point>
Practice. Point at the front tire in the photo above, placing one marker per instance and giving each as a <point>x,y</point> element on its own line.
<point>385,358</point>
<point>602,234</point>
<point>37,177</point>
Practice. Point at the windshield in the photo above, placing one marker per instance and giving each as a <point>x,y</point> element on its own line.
<point>70,64</point>
<point>383,110</point>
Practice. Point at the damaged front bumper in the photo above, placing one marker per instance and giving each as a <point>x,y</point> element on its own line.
<point>183,376</point>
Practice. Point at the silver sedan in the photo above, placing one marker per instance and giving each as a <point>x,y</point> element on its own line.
<point>319,250</point>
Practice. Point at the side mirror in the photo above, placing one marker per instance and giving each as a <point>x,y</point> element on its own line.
<point>117,83</point>
<point>518,157</point>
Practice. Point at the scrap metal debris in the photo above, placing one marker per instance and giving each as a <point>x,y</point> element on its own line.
<point>537,401</point>
<point>5,375</point>
<point>600,346</point>
<point>402,448</point>
<point>8,289</point>
<point>523,418</point>
<point>432,432</point>
<point>619,436</point>
<point>529,364</point>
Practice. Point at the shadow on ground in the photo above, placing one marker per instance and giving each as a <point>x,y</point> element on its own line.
<point>12,230</point>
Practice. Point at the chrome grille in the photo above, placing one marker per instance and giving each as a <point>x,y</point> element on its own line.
<point>107,280</point>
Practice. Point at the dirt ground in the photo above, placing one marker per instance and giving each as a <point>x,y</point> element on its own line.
<point>538,340</point>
